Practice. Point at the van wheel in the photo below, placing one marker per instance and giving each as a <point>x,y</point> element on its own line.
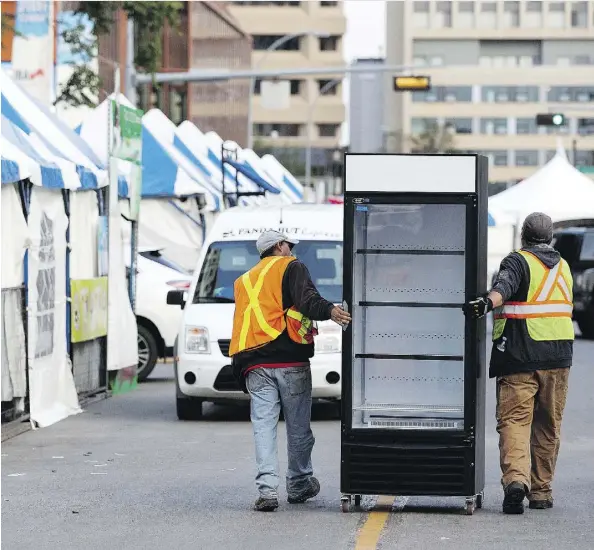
<point>587,327</point>
<point>148,353</point>
<point>189,408</point>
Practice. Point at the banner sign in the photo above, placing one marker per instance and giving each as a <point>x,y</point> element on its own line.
<point>89,309</point>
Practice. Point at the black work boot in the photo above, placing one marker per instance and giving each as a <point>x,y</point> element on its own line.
<point>310,492</point>
<point>266,504</point>
<point>513,500</point>
<point>540,504</point>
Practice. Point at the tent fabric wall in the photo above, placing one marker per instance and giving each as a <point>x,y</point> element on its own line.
<point>84,217</point>
<point>51,385</point>
<point>13,248</point>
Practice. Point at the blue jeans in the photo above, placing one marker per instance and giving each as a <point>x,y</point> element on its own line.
<point>271,388</point>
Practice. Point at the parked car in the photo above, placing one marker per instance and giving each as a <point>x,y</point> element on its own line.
<point>576,246</point>
<point>157,322</point>
<point>202,365</point>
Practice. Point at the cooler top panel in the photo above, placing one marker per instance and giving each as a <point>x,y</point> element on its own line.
<point>410,173</point>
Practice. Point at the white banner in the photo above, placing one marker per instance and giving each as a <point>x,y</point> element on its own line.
<point>15,233</point>
<point>84,219</point>
<point>51,385</point>
<point>33,48</point>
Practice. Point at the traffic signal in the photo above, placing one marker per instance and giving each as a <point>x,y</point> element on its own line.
<point>412,83</point>
<point>550,119</point>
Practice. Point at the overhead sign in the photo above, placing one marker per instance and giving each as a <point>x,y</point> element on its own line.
<point>412,83</point>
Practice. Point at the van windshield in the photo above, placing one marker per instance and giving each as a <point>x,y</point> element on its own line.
<point>228,260</point>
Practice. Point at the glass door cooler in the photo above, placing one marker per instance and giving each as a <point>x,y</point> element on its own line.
<point>413,392</point>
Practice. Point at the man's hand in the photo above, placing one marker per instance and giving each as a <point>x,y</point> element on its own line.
<point>340,316</point>
<point>478,308</point>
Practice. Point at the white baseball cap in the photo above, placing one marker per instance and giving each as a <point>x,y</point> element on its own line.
<point>270,238</point>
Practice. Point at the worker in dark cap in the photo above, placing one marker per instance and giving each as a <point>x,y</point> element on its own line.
<point>533,337</point>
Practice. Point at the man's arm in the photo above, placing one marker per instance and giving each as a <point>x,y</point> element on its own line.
<point>303,294</point>
<point>506,285</point>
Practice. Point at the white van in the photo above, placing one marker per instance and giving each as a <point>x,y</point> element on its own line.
<point>202,364</point>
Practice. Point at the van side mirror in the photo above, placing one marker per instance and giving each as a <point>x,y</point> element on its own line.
<point>176,298</point>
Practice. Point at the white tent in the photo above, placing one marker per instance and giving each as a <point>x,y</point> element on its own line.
<point>557,189</point>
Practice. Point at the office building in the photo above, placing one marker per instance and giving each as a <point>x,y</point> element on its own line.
<point>317,29</point>
<point>494,66</point>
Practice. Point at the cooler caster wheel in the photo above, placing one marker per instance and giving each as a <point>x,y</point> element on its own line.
<point>470,506</point>
<point>357,501</point>
<point>479,499</point>
<point>345,503</point>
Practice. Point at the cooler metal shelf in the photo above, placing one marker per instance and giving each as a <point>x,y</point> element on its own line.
<point>426,305</point>
<point>418,357</point>
<point>392,407</point>
<point>411,251</point>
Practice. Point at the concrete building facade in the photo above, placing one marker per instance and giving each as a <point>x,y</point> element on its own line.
<point>495,65</point>
<point>318,27</point>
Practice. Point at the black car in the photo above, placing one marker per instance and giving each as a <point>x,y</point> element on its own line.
<point>576,246</point>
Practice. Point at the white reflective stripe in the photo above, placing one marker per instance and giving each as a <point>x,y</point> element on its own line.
<point>537,309</point>
<point>550,281</point>
<point>564,288</point>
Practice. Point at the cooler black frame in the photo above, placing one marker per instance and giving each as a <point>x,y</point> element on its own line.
<point>401,462</point>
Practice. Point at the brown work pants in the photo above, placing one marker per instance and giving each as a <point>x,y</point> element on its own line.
<point>529,413</point>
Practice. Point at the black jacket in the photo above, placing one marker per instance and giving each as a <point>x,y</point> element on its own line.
<point>522,353</point>
<point>299,291</point>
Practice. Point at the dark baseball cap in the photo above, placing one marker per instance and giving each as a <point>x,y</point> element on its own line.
<point>537,228</point>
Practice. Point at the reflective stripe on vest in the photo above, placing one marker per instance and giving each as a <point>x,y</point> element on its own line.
<point>540,304</point>
<point>254,305</point>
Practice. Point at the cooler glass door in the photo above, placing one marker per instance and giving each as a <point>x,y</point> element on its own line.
<point>408,325</point>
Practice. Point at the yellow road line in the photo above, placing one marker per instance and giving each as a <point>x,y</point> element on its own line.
<point>369,534</point>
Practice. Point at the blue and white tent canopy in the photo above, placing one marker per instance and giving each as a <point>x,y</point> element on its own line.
<point>279,173</point>
<point>193,143</point>
<point>49,140</point>
<point>162,174</point>
<point>247,177</point>
<point>24,161</point>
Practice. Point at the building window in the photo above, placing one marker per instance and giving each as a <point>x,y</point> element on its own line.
<point>283,130</point>
<point>490,126</point>
<point>571,94</point>
<point>326,88</point>
<point>488,15</point>
<point>509,94</point>
<point>279,3</point>
<point>533,15</point>
<point>447,94</point>
<point>556,15</point>
<point>585,126</point>
<point>525,126</point>
<point>443,15</point>
<point>419,126</point>
<point>526,158</point>
<point>329,3</point>
<point>583,59</point>
<point>328,130</point>
<point>461,125</point>
<point>584,158</point>
<point>421,15</point>
<point>465,17</point>
<point>496,157</point>
<point>511,14</point>
<point>329,43</point>
<point>579,14</point>
<point>264,41</point>
<point>295,86</point>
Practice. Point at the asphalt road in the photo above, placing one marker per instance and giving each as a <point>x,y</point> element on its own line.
<point>126,474</point>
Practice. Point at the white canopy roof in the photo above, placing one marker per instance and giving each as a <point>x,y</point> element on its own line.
<point>557,189</point>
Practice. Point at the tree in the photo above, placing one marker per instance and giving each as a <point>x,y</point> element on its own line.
<point>84,84</point>
<point>434,139</point>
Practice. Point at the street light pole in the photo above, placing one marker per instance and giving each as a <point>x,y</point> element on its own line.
<point>273,47</point>
<point>329,85</point>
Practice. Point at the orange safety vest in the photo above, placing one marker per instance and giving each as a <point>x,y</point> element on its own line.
<point>259,316</point>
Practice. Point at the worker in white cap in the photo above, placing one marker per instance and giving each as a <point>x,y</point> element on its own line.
<point>533,335</point>
<point>276,304</point>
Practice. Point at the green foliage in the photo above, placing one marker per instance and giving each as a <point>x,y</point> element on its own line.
<point>435,139</point>
<point>150,17</point>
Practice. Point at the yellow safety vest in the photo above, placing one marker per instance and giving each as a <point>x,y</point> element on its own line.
<point>549,305</point>
<point>259,316</point>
